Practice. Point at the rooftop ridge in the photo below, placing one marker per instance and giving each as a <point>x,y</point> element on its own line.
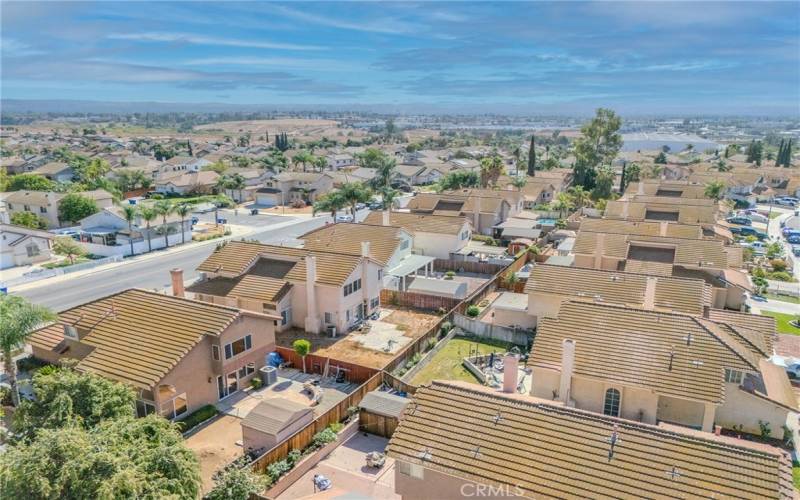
<point>629,273</point>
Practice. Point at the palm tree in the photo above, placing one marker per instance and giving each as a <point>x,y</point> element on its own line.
<point>563,203</point>
<point>580,197</point>
<point>148,215</point>
<point>183,209</point>
<point>519,182</point>
<point>331,202</point>
<point>303,158</point>
<point>129,213</point>
<point>320,162</point>
<point>491,170</point>
<point>19,319</point>
<point>164,208</point>
<point>389,196</point>
<point>385,172</point>
<point>354,193</point>
<point>238,183</point>
<point>715,190</point>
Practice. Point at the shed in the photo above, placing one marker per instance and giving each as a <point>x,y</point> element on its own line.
<point>272,421</point>
<point>380,412</point>
<point>439,287</point>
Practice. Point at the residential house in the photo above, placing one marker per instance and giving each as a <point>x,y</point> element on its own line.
<point>107,232</point>
<point>181,165</point>
<point>309,289</point>
<point>288,187</point>
<point>652,366</point>
<point>22,246</point>
<point>56,171</point>
<point>348,175</point>
<point>514,197</point>
<point>408,175</point>
<point>484,212</point>
<point>178,354</point>
<point>434,235</point>
<point>45,203</point>
<point>664,208</point>
<point>664,189</point>
<point>459,440</point>
<point>193,182</point>
<point>340,160</point>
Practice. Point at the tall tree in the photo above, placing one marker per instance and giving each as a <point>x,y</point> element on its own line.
<point>519,182</point>
<point>330,202</point>
<point>532,156</point>
<point>354,193</point>
<point>129,213</point>
<point>164,209</point>
<point>491,170</point>
<point>74,207</point>
<point>598,145</point>
<point>148,215</point>
<point>604,183</point>
<point>714,190</point>
<point>19,319</point>
<point>183,209</point>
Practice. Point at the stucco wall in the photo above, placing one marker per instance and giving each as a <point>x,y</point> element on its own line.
<point>745,409</point>
<point>680,411</point>
<point>435,485</point>
<point>543,306</point>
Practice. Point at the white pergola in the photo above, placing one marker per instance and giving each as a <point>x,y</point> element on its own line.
<point>411,265</point>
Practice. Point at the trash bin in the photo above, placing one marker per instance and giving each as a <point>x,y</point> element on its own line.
<point>269,375</point>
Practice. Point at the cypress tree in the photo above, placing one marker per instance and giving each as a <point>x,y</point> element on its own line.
<point>532,157</point>
<point>622,179</point>
<point>779,156</point>
<point>787,154</point>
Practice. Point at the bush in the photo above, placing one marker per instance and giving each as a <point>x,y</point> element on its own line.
<point>5,396</point>
<point>323,437</point>
<point>415,358</point>
<point>352,411</point>
<point>294,457</point>
<point>276,469</point>
<point>31,364</point>
<point>256,383</point>
<point>449,275</point>
<point>780,276</point>
<point>336,427</point>
<point>473,311</point>
<point>430,344</point>
<point>446,327</point>
<point>197,418</point>
<point>778,265</point>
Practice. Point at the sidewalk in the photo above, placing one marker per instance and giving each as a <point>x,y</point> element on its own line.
<point>240,232</point>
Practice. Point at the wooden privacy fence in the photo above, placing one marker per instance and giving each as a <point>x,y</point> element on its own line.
<point>316,364</point>
<point>397,384</point>
<point>418,300</point>
<point>302,438</point>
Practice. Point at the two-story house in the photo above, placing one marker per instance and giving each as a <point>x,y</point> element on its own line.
<point>45,203</point>
<point>483,212</point>
<point>178,354</point>
<point>288,187</point>
<point>434,235</point>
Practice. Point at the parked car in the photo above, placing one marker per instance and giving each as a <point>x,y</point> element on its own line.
<point>758,247</point>
<point>749,231</point>
<point>222,220</point>
<point>344,218</point>
<point>375,205</point>
<point>360,206</point>
<point>796,250</point>
<point>754,216</point>
<point>793,239</point>
<point>787,201</point>
<point>742,221</point>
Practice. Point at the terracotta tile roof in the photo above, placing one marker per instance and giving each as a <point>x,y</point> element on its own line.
<point>424,223</point>
<point>638,210</point>
<point>633,346</point>
<point>550,451</point>
<point>138,336</point>
<point>764,325</point>
<point>237,257</point>
<point>623,288</point>
<point>645,267</point>
<point>430,202</point>
<point>687,252</point>
<point>347,238</point>
<point>653,187</point>
<point>643,228</point>
<point>260,288</point>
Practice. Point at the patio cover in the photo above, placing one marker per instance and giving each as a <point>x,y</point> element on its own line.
<point>410,264</point>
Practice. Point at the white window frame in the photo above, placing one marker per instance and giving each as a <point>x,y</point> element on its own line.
<point>247,339</point>
<point>166,404</point>
<point>733,376</point>
<point>215,352</point>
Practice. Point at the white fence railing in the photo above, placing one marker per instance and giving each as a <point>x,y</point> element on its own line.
<point>49,273</point>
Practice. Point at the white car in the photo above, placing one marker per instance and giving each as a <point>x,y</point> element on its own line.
<point>756,217</point>
<point>344,218</point>
<point>758,247</point>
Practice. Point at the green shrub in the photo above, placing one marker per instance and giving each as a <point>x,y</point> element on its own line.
<point>449,275</point>
<point>5,396</point>
<point>197,418</point>
<point>336,427</point>
<point>294,457</point>
<point>352,411</point>
<point>323,437</point>
<point>415,358</point>
<point>780,276</point>
<point>764,429</point>
<point>473,311</point>
<point>430,344</point>
<point>778,265</point>
<point>446,327</point>
<point>276,469</point>
<point>256,383</point>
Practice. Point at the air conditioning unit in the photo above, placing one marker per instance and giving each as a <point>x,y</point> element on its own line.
<point>331,329</point>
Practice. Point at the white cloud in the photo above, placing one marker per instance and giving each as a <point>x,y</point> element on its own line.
<point>14,48</point>
<point>209,40</point>
<point>389,26</point>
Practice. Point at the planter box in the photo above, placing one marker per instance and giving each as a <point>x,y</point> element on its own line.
<point>308,462</point>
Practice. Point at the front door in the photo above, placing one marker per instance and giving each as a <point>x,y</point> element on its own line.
<point>233,383</point>
<point>221,386</point>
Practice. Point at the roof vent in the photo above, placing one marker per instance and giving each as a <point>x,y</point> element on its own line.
<point>476,452</point>
<point>425,455</point>
<point>674,473</point>
<point>613,440</point>
<point>688,338</point>
<point>497,418</point>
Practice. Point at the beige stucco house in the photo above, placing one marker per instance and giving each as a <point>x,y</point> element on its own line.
<point>434,235</point>
<point>20,246</point>
<point>45,203</point>
<point>178,354</point>
<point>287,187</point>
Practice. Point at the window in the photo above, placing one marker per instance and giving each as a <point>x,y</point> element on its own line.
<point>464,235</point>
<point>348,289</point>
<point>380,274</point>
<point>215,352</point>
<point>286,317</point>
<point>611,404</point>
<point>144,408</point>
<point>246,370</point>
<point>10,206</point>
<point>374,303</point>
<point>328,318</point>
<point>26,208</point>
<point>357,285</point>
<point>43,210</point>
<point>733,376</point>
<point>175,407</point>
<point>32,250</point>
<point>404,244</point>
<point>238,346</point>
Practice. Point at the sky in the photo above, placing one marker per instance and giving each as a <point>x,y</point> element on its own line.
<point>538,57</point>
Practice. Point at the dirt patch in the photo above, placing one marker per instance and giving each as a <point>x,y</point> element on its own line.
<point>346,347</point>
<point>215,447</point>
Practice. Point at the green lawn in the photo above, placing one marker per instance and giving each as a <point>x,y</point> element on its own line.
<point>782,321</point>
<point>796,476</point>
<point>446,364</point>
<point>784,298</point>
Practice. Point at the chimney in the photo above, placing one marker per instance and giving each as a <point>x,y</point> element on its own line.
<point>312,323</point>
<point>600,247</point>
<point>365,248</point>
<point>177,281</point>
<point>567,367</point>
<point>662,230</point>
<point>510,371</point>
<point>650,293</point>
<point>386,218</point>
<point>476,213</point>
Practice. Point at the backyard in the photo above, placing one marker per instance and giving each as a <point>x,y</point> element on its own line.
<point>782,322</point>
<point>446,364</point>
<point>395,328</point>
